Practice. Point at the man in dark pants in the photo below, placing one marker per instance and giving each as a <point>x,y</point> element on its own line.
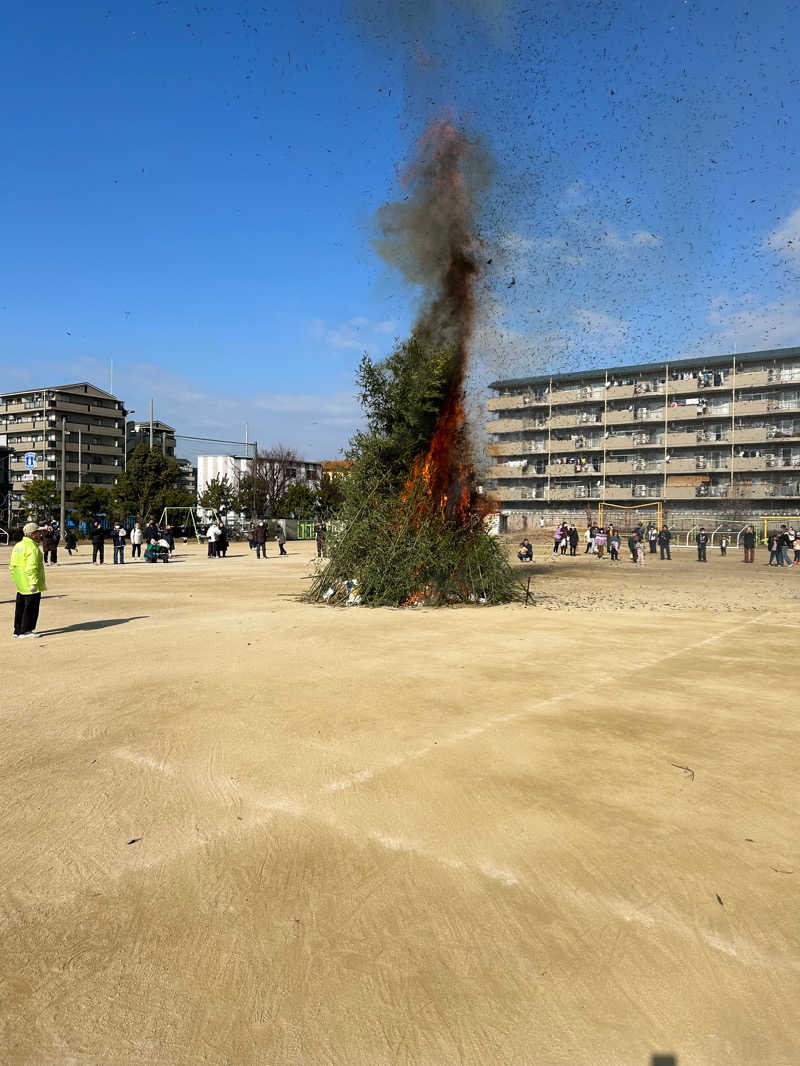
<point>27,569</point>
<point>118,540</point>
<point>98,543</point>
<point>749,545</point>
<point>664,538</point>
<point>260,540</point>
<point>702,542</point>
<point>320,530</point>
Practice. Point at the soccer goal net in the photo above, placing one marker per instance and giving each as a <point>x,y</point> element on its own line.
<point>626,517</point>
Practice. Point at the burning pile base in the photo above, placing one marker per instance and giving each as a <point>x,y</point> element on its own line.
<point>413,528</point>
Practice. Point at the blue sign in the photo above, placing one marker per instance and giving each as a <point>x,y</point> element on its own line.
<point>30,460</point>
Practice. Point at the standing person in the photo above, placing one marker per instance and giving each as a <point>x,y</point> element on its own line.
<point>633,540</point>
<point>613,546</point>
<point>260,540</point>
<point>664,537</point>
<point>564,538</point>
<point>169,537</point>
<point>640,551</point>
<point>137,536</point>
<point>281,539</point>
<point>749,544</point>
<point>589,535</point>
<point>27,570</point>
<point>49,542</point>
<point>212,534</point>
<point>118,535</point>
<point>98,543</point>
<point>723,545</point>
<point>557,538</point>
<point>600,540</point>
<point>652,538</point>
<point>786,541</point>
<point>320,529</point>
<point>774,549</point>
<point>70,542</point>
<point>574,538</point>
<point>796,547</point>
<point>702,544</point>
<point>222,540</point>
<point>150,531</point>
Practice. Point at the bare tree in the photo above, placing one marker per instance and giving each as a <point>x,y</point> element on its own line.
<point>271,473</point>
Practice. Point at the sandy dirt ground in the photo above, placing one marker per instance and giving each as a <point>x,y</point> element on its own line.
<point>238,830</point>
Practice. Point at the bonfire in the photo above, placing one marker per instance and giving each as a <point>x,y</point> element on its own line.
<point>413,528</point>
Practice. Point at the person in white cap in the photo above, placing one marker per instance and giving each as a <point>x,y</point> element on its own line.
<point>27,569</point>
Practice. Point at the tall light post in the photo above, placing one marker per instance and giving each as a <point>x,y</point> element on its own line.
<point>63,471</point>
<point>125,438</point>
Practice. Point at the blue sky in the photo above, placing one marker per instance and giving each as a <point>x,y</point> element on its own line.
<point>188,190</point>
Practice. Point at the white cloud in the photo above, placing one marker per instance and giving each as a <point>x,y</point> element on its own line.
<point>641,238</point>
<point>785,240</point>
<point>601,324</point>
<point>770,325</point>
<point>356,334</point>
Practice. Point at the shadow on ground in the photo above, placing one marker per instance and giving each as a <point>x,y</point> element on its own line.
<point>100,623</point>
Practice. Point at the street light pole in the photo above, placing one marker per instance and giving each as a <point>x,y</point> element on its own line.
<point>63,471</point>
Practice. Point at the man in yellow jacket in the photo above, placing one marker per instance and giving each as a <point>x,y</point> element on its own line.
<point>27,569</point>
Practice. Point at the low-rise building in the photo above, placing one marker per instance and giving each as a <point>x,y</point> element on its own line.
<point>163,437</point>
<point>88,420</point>
<point>236,467</point>
<point>719,435</point>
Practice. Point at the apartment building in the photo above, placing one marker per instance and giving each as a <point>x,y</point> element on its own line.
<point>704,436</point>
<point>163,437</point>
<point>188,476</point>
<point>33,423</point>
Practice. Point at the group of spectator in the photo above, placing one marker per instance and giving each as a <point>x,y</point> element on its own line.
<point>158,543</point>
<point>780,543</point>
<point>650,540</point>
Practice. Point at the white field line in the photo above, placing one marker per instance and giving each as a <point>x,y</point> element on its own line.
<point>360,776</point>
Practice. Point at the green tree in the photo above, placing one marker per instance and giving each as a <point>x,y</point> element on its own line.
<point>217,496</point>
<point>299,500</point>
<point>330,496</point>
<point>41,496</point>
<point>87,501</point>
<point>242,500</point>
<point>151,483</point>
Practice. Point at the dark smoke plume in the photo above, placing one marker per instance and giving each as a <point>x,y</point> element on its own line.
<point>430,235</point>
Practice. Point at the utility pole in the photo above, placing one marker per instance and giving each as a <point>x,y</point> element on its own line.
<point>253,478</point>
<point>63,471</point>
<point>151,424</point>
